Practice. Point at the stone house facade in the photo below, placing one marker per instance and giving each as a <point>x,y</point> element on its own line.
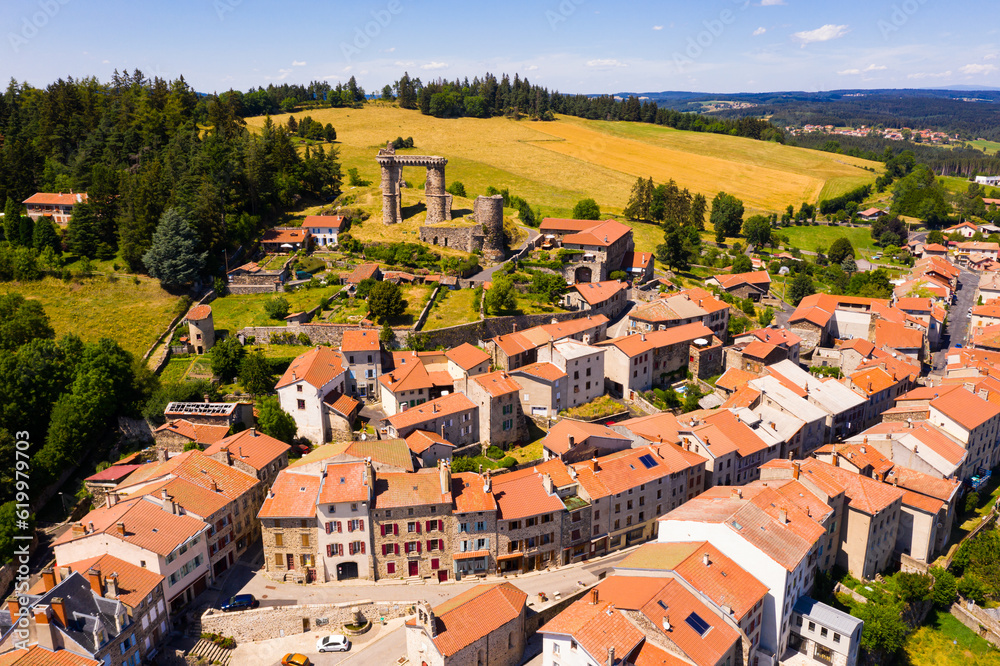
<point>501,418</point>
<point>362,352</point>
<point>343,509</point>
<point>454,416</point>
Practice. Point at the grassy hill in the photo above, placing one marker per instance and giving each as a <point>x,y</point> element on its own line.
<point>555,164</point>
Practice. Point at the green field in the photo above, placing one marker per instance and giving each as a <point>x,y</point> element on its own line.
<point>808,238</point>
<point>132,314</point>
<point>236,311</point>
<point>944,641</point>
<point>452,308</point>
<point>555,164</point>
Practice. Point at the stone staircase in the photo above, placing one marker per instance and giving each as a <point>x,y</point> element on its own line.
<point>211,652</point>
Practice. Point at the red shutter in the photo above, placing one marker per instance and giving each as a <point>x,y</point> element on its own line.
<point>329,550</point>
<point>440,525</point>
<point>418,546</point>
<point>362,547</point>
<point>350,548</point>
<point>361,524</point>
<point>340,549</point>
<point>395,529</point>
<point>429,527</point>
<point>384,546</point>
<point>340,526</point>
<point>350,525</point>
<point>382,527</point>
<point>397,548</point>
<point>440,544</point>
<point>329,528</point>
<point>418,527</point>
<point>434,563</point>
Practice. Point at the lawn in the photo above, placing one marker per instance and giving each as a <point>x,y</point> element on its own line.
<point>453,307</point>
<point>93,308</point>
<point>944,641</point>
<point>175,369</point>
<point>347,311</point>
<point>416,296</point>
<point>808,238</point>
<point>535,304</point>
<point>236,311</point>
<point>555,164</point>
<point>274,262</point>
<point>646,236</point>
<point>597,408</point>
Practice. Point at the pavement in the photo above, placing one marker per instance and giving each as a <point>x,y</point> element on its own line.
<point>957,329</point>
<point>486,274</point>
<point>380,645</point>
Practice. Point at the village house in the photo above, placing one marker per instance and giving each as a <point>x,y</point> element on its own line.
<point>346,495</point>
<point>429,447</point>
<point>529,533</point>
<point>598,248</point>
<point>285,240</point>
<point>644,360</point>
<point>253,452</point>
<point>475,509</point>
<point>572,441</point>
<point>177,434</point>
<point>638,266</point>
<point>415,378</point>
<point>501,418</point>
<point>454,416</point>
<point>58,206</point>
<point>325,229</point>
<point>484,625</point>
<point>584,368</point>
<point>511,351</point>
<point>466,360</point>
<point>211,413</point>
<point>304,387</point>
<point>681,309</point>
<point>361,272</point>
<point>289,527</point>
<point>606,298</point>
<point>754,286</point>
<point>780,337</point>
<point>362,351</point>
<point>543,386</point>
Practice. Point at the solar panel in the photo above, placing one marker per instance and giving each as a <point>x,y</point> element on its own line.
<point>648,461</point>
<point>695,622</point>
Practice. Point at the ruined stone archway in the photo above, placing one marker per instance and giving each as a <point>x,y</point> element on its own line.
<point>582,274</point>
<point>438,201</point>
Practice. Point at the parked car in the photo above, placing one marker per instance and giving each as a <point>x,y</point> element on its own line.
<point>295,659</point>
<point>240,602</point>
<point>333,643</point>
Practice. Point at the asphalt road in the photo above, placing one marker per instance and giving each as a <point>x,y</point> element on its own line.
<point>957,328</point>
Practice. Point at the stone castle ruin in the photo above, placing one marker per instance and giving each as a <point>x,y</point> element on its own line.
<point>438,201</point>
<point>487,235</point>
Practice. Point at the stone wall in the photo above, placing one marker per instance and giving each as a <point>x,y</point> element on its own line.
<point>240,289</point>
<point>467,239</point>
<point>264,623</point>
<point>536,619</point>
<point>422,319</point>
<point>977,620</point>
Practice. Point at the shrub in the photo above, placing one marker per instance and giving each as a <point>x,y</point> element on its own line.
<point>507,462</point>
<point>277,307</point>
<point>971,502</point>
<point>494,453</point>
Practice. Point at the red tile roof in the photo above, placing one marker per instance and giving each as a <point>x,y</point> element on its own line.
<point>115,473</point>
<point>596,293</point>
<point>319,366</point>
<point>323,221</point>
<point>344,482</point>
<point>147,526</point>
<point>292,495</point>
<point>291,235</point>
<point>396,489</point>
<point>596,628</point>
<point>475,613</point>
<point>564,224</point>
<point>759,350</point>
<point>776,336</point>
<point>36,655</point>
<point>466,356</point>
<point>469,494</point>
<point>251,447</point>
<point>864,494</point>
<point>360,341</point>
<point>421,440</point>
<point>557,440</point>
<point>522,494</point>
<point>603,234</point>
<point>134,582</point>
<point>965,408</point>
<point>201,433</point>
<point>897,336</point>
<point>640,343</point>
<point>618,472</point>
<point>56,199</point>
<point>344,405</point>
<point>453,403</point>
<point>757,278</point>
<point>734,378</point>
<point>497,383</point>
<point>362,272</point>
<point>546,371</point>
<point>199,312</point>
<point>872,380</point>
<point>705,649</point>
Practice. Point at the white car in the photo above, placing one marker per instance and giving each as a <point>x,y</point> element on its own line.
<point>333,643</point>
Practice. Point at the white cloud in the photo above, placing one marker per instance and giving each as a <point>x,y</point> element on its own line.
<point>978,69</point>
<point>821,34</point>
<point>846,72</point>
<point>990,56</point>
<point>298,63</point>
<point>391,49</point>
<point>434,65</point>
<point>657,27</point>
<point>874,68</point>
<point>531,68</point>
<point>408,63</point>
<point>929,75</point>
<point>771,3</point>
<point>106,62</point>
<point>759,31</point>
<point>604,63</point>
<point>282,74</point>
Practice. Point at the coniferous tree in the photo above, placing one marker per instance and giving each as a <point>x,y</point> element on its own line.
<point>45,235</point>
<point>174,257</point>
<point>12,222</point>
<point>26,231</point>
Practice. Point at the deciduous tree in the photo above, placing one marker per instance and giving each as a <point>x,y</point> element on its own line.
<point>274,421</point>
<point>727,216</point>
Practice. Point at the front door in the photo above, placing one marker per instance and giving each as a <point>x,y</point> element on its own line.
<point>414,568</point>
<point>442,575</point>
<point>290,559</point>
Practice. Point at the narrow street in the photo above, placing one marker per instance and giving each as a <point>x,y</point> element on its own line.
<point>957,328</point>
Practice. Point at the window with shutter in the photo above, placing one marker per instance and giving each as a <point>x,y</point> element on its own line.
<point>397,549</point>
<point>385,549</point>
<point>350,548</point>
<point>329,550</point>
<point>440,526</point>
<point>395,529</point>
<point>418,527</point>
<point>362,547</point>
<point>361,524</point>
<point>418,547</point>
<point>390,567</point>
<point>428,526</point>
<point>434,563</point>
<point>340,526</point>
<point>382,527</point>
<point>440,544</point>
<point>329,528</point>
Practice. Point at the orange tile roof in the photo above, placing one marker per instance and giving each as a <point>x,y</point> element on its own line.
<point>388,452</point>
<point>872,380</point>
<point>469,493</point>
<point>812,314</point>
<point>421,440</point>
<point>36,655</point>
<point>344,482</point>
<point>134,582</point>
<point>147,525</point>
<point>651,655</point>
<point>979,245</point>
<point>922,502</point>
<point>703,649</point>
<point>292,495</point>
<point>965,408</point>
<point>732,427</point>
<point>913,303</point>
<point>475,613</point>
<point>655,427</point>
<point>759,350</point>
<point>197,432</point>
<point>603,234</point>
<point>319,366</point>
<point>513,343</point>
<point>897,336</point>
<point>497,383</point>
<point>344,405</point>
<point>396,489</point>
<point>547,371</point>
<point>864,494</point>
<point>596,293</point>
<point>734,378</point>
<point>596,628</point>
<point>362,272</point>
<point>467,356</point>
<point>557,440</point>
<point>776,336</point>
<point>640,343</point>
<point>758,278</point>
<point>113,474</point>
<point>565,224</point>
<point>251,447</point>
<point>360,341</point>
<point>862,456</point>
<point>925,484</point>
<point>521,494</point>
<point>637,259</point>
<point>620,471</point>
<point>56,198</point>
<point>323,221</point>
<point>289,235</point>
<point>453,403</point>
<point>742,397</point>
<point>199,312</point>
<point>195,499</point>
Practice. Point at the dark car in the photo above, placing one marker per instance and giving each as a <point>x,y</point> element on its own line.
<point>240,602</point>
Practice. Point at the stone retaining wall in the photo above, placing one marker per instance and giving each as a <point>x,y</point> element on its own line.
<point>268,622</point>
<point>977,620</point>
<point>467,239</point>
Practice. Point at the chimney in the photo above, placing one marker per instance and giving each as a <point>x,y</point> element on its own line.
<point>13,608</point>
<point>64,573</point>
<point>796,469</point>
<point>215,486</point>
<point>864,449</point>
<point>111,586</point>
<point>611,650</point>
<point>120,529</point>
<point>783,516</point>
<point>161,454</point>
<point>44,631</point>
<point>168,501</point>
<point>445,474</point>
<point>594,597</point>
<point>737,493</point>
<point>594,465</point>
<point>59,610</point>
<point>547,484</point>
<point>642,337</point>
<point>48,578</point>
<point>487,485</point>
<point>94,577</point>
<point>434,408</point>
<point>442,431</point>
<point>79,530</point>
<point>90,528</point>
<point>572,441</point>
<point>111,499</point>
<point>706,560</point>
<point>836,461</point>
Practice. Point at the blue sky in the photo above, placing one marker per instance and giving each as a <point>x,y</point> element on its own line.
<point>589,46</point>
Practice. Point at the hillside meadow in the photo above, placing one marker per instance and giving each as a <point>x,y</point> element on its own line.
<point>555,164</point>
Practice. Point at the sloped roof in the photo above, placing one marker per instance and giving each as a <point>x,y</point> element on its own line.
<point>389,452</point>
<point>421,440</point>
<point>467,356</point>
<point>596,628</point>
<point>318,367</point>
<point>596,293</point>
<point>452,403</point>
<point>469,493</point>
<point>897,336</point>
<point>323,221</point>
<point>36,655</point>
<point>134,582</point>
<point>864,494</point>
<point>522,494</point>
<point>252,447</point>
<point>56,198</point>
<point>633,345</point>
<point>292,495</point>
<point>202,433</point>
<point>147,525</point>
<point>360,341</point>
<point>965,408</point>
<point>396,489</point>
<point>475,613</point>
<point>704,649</point>
<point>557,440</point>
<point>603,234</point>
<point>497,383</point>
<point>734,378</point>
<point>199,312</point>
<point>542,370</point>
<point>362,272</point>
<point>756,278</point>
<point>619,471</point>
<point>344,482</point>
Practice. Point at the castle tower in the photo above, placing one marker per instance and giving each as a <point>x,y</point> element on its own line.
<point>488,212</point>
<point>201,328</point>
